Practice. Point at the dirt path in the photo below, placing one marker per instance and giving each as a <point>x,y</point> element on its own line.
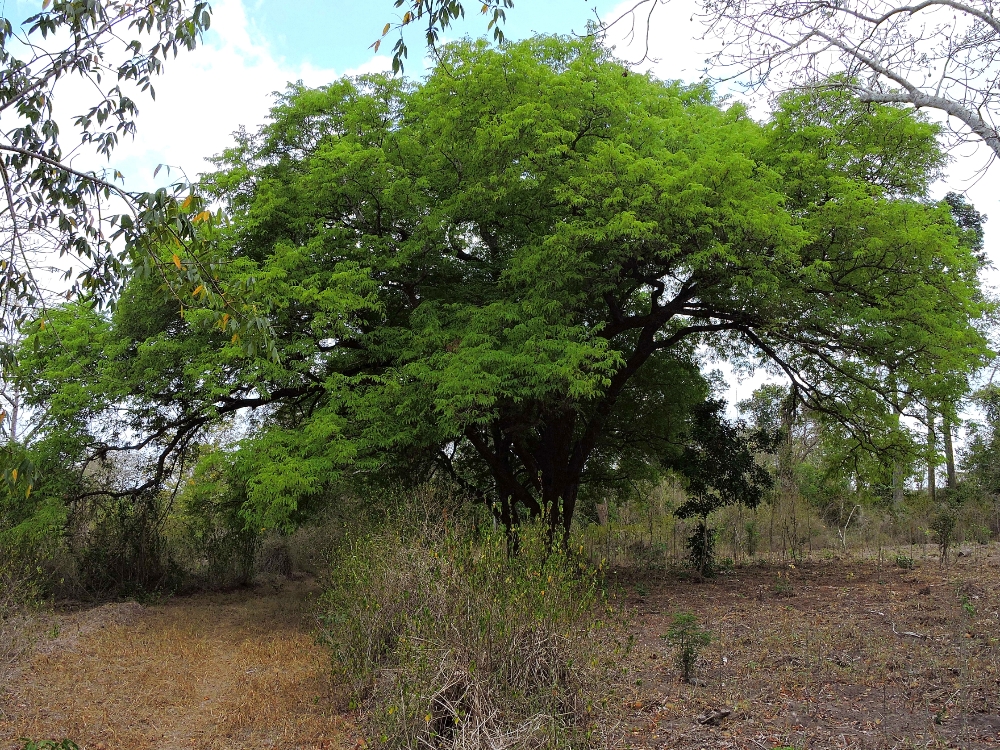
<point>237,670</point>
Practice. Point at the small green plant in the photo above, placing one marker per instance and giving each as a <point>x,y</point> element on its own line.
<point>980,533</point>
<point>904,561</point>
<point>783,586</point>
<point>688,639</point>
<point>967,606</point>
<point>943,528</point>
<point>49,745</point>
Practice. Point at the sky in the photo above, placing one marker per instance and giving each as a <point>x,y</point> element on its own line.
<point>255,47</point>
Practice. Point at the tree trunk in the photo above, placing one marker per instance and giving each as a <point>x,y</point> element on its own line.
<point>14,404</point>
<point>897,476</point>
<point>949,455</point>
<point>897,483</point>
<point>547,484</point>
<point>931,478</point>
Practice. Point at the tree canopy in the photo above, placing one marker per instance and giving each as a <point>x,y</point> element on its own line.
<point>937,54</point>
<point>514,273</point>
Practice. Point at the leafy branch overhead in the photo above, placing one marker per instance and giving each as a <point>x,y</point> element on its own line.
<point>437,16</point>
<point>52,209</point>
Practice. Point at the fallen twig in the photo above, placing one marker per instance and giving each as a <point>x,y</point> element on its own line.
<point>906,632</point>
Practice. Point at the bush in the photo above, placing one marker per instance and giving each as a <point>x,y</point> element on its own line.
<point>121,550</point>
<point>943,526</point>
<point>701,549</point>
<point>449,643</point>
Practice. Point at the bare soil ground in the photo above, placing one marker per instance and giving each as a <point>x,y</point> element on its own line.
<point>816,654</point>
<point>825,654</point>
<point>219,671</point>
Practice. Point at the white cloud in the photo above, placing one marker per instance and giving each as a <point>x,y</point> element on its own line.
<point>377,64</point>
<point>206,95</point>
<point>666,42</point>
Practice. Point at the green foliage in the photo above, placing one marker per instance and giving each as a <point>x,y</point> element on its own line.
<point>720,463</point>
<point>783,586</point>
<point>123,551</point>
<point>448,641</point>
<point>49,745</point>
<point>438,16</point>
<point>967,606</point>
<point>509,274</point>
<point>212,539</point>
<point>981,456</point>
<point>688,639</point>
<point>943,526</point>
<point>701,548</point>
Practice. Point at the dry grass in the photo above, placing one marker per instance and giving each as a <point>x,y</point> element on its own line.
<point>237,670</point>
<point>19,621</point>
<point>18,632</point>
<point>448,643</point>
<point>817,655</point>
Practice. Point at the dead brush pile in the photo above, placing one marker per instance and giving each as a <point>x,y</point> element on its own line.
<point>447,642</point>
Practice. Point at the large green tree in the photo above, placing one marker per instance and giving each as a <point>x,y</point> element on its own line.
<point>513,272</point>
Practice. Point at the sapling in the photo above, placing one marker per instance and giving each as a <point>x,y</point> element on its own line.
<point>688,638</point>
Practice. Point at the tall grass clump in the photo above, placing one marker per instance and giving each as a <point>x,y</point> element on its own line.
<point>448,642</point>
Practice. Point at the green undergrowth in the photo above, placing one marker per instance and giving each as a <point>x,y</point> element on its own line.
<point>449,642</point>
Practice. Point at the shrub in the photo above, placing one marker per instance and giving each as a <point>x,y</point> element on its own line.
<point>121,549</point>
<point>688,639</point>
<point>449,643</point>
<point>701,549</point>
<point>904,561</point>
<point>943,526</point>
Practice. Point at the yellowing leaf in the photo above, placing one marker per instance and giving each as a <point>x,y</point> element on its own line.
<point>236,337</point>
<point>27,492</point>
<point>386,29</point>
<point>203,216</point>
<point>378,43</point>
<point>198,290</point>
<point>177,261</point>
<point>225,320</point>
<point>187,201</point>
<point>13,473</point>
<point>407,17</point>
